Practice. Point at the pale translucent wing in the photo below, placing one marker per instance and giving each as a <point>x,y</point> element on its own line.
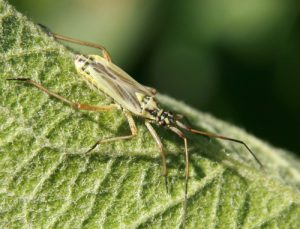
<point>116,83</point>
<point>119,75</point>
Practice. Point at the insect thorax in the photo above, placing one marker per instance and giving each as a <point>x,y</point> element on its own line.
<point>151,111</point>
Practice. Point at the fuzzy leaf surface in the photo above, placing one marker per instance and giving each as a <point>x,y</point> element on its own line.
<point>46,180</point>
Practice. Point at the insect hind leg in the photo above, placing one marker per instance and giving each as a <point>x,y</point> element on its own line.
<point>103,50</point>
<point>75,105</point>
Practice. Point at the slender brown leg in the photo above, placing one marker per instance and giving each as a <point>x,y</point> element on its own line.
<point>65,100</point>
<point>89,108</point>
<point>187,167</point>
<point>105,53</point>
<point>132,128</point>
<point>162,153</point>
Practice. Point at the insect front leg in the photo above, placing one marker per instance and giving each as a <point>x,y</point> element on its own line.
<point>187,167</point>
<point>162,153</point>
<point>75,105</point>
<point>133,129</point>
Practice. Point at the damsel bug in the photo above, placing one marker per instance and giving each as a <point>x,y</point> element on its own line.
<point>133,98</point>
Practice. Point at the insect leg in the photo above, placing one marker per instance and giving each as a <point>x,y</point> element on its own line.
<point>162,153</point>
<point>104,51</point>
<point>72,104</point>
<point>133,129</point>
<point>187,164</point>
<point>211,135</point>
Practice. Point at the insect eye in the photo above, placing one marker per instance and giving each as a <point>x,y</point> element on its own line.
<point>153,112</point>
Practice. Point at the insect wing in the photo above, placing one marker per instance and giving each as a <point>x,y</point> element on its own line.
<point>116,83</point>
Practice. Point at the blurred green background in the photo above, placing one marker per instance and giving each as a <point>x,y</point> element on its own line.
<point>237,59</point>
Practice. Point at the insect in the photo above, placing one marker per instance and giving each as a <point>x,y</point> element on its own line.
<point>133,98</point>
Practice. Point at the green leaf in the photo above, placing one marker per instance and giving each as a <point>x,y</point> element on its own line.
<point>46,180</point>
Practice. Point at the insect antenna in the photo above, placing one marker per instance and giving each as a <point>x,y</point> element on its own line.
<point>211,135</point>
